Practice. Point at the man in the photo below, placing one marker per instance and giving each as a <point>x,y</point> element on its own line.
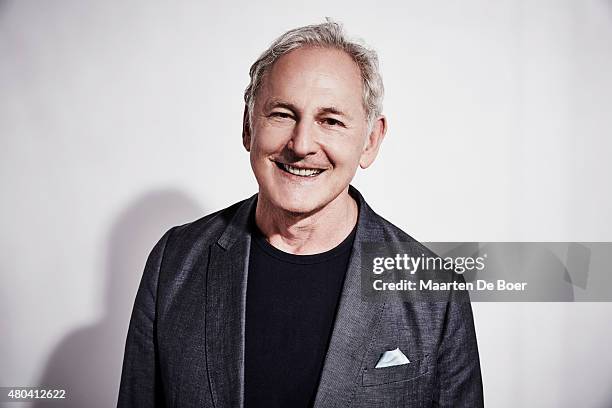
<point>260,304</point>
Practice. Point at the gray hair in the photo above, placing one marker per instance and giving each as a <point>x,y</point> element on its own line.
<point>330,35</point>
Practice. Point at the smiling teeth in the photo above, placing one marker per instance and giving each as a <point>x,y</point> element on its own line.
<point>301,172</point>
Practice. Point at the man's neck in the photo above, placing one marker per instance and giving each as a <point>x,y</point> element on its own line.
<point>305,234</point>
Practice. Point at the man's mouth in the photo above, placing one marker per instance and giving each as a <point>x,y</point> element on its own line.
<point>299,171</point>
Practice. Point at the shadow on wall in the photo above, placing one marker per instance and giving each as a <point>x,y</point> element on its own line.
<point>87,362</point>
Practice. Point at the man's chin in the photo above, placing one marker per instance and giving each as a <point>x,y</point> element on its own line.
<point>298,204</point>
<point>298,208</point>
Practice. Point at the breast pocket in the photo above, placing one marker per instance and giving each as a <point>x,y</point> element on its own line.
<point>385,375</point>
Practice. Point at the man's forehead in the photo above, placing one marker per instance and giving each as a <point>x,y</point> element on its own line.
<point>327,77</point>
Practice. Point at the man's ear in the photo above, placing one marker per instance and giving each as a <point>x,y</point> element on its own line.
<point>246,129</point>
<point>374,139</point>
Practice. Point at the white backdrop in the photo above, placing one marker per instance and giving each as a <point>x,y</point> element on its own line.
<point>119,119</point>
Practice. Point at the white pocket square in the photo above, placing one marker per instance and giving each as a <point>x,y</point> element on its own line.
<point>392,358</point>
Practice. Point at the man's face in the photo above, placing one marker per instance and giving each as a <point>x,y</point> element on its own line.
<point>309,130</point>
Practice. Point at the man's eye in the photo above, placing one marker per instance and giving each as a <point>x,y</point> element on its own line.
<point>332,122</point>
<point>281,115</point>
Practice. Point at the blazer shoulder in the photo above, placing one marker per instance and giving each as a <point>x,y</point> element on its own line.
<point>392,234</point>
<point>208,228</point>
<point>187,243</point>
<point>385,228</point>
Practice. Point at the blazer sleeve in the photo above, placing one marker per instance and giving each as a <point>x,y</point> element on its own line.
<point>459,381</point>
<point>140,377</point>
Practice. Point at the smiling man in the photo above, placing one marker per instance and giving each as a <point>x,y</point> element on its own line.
<point>259,304</point>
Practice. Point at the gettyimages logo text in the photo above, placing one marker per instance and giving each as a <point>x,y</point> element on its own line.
<point>411,264</point>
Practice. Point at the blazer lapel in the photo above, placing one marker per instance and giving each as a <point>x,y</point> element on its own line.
<point>355,322</point>
<point>225,310</point>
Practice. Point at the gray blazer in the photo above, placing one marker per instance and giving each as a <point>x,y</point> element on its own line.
<point>185,344</point>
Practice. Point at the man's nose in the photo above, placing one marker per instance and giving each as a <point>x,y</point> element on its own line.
<point>303,141</point>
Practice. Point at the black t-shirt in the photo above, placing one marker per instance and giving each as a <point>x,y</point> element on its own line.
<point>290,311</point>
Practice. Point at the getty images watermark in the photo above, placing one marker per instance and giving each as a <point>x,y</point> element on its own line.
<point>492,271</point>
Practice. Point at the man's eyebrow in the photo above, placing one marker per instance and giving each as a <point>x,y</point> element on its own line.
<point>334,111</point>
<point>277,103</point>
